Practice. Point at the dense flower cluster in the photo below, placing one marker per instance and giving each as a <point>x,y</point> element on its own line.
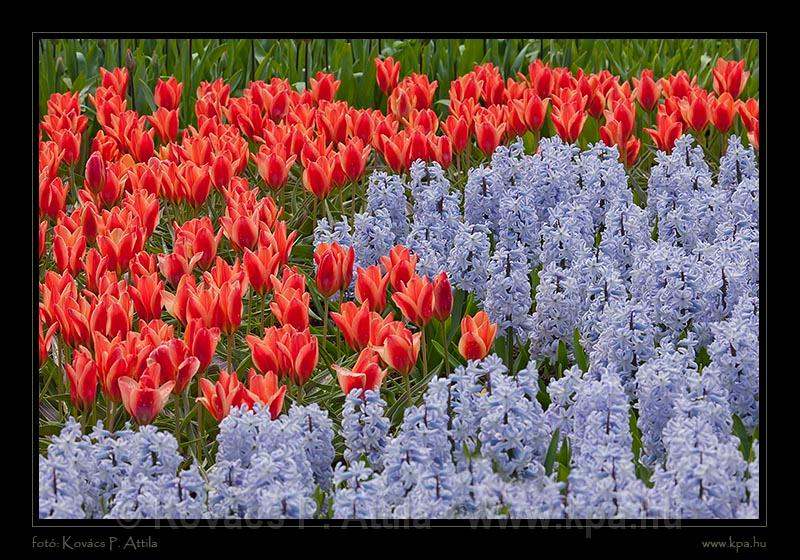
<point>626,323</point>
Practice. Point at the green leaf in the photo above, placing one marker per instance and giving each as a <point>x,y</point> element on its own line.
<point>563,360</point>
<point>741,432</point>
<point>580,354</point>
<point>550,456</point>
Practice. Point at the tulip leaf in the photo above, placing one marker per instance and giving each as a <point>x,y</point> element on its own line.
<point>742,433</point>
<point>580,354</point>
<point>550,456</point>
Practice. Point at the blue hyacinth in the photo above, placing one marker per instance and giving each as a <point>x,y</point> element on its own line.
<point>364,428</point>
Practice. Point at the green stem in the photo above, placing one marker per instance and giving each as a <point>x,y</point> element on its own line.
<point>407,382</point>
<point>325,321</point>
<point>177,419</point>
<point>424,348</point>
<point>446,353</point>
<point>110,416</point>
<point>230,352</point>
<point>510,348</point>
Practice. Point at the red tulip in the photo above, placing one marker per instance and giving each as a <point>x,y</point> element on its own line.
<point>366,374</point>
<point>176,364</point>
<point>168,94</point>
<point>112,316</point>
<point>541,78</point>
<point>399,348</point>
<point>400,265</point>
<point>355,324</point>
<point>748,111</point>
<point>477,336</point>
<point>442,297</point>
<point>646,90</point>
<point>371,287</point>
<point>730,77</point>
<point>175,266</point>
<point>628,147</point>
<point>68,249</point>
<point>260,266</point>
<point>165,123</point>
<point>52,197</point>
<point>201,341</point>
<point>415,300</point>
<point>679,85</point>
<point>266,352</point>
<point>723,111</point>
<point>228,313</point>
<point>440,150</point>
<point>70,143</point>
<point>360,124</point>
<point>457,129</point>
<point>141,144</point>
<point>112,364</point>
<point>146,296</point>
<point>353,158</point>
<point>273,167</point>
<point>45,339</point>
<point>387,73</point>
<point>695,111</point>
<point>302,351</point>
<point>568,118</point>
<point>240,229</point>
<point>264,389</point>
<point>334,268</point>
<point>488,134</point>
<point>318,177</point>
<point>116,80</point>
<point>668,130</point>
<point>396,151</point>
<point>95,174</point>
<point>535,111</point>
<point>218,398</point>
<point>82,375</point>
<point>144,399</point>
<point>323,87</point>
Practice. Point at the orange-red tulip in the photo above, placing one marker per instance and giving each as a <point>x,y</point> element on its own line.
<point>168,94</point>
<point>334,268</point>
<point>165,123</point>
<point>260,266</point>
<point>646,90</point>
<point>387,73</point>
<point>415,300</point>
<point>68,249</point>
<point>273,167</point>
<point>201,341</point>
<point>144,399</point>
<point>318,177</point>
<point>264,389</point>
<point>218,398</point>
<point>400,265</point>
<point>668,130</point>
<point>52,197</point>
<point>442,297</point>
<point>399,348</point>
<point>695,111</point>
<point>723,111</point>
<point>477,336</point>
<point>146,295</point>
<point>366,374</point>
<point>266,352</point>
<point>82,375</point>
<point>355,323</point>
<point>729,77</point>
<point>176,364</point>
<point>302,351</point>
<point>371,287</point>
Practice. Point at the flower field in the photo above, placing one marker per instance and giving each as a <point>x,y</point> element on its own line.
<point>328,279</point>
